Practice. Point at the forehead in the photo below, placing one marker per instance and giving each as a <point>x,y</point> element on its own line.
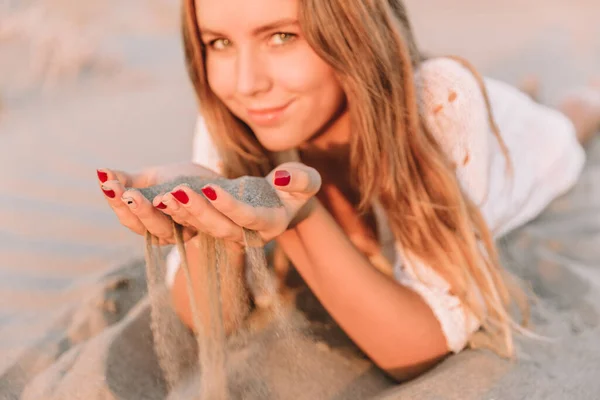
<point>243,15</point>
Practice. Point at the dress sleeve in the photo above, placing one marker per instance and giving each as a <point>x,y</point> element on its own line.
<point>455,113</point>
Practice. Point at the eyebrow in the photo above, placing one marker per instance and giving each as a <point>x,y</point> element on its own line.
<point>259,30</point>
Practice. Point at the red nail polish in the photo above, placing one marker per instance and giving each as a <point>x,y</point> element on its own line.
<point>210,193</point>
<point>282,178</point>
<point>103,176</point>
<point>109,193</point>
<point>161,206</point>
<point>181,196</point>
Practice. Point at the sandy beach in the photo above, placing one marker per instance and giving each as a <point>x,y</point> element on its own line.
<point>85,85</point>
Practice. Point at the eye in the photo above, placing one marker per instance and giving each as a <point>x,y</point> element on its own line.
<point>219,44</point>
<point>281,38</point>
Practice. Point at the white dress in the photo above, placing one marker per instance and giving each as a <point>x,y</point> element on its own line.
<point>547,160</point>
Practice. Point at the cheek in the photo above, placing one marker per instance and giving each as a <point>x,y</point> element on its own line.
<point>321,93</point>
<point>304,73</point>
<point>220,78</point>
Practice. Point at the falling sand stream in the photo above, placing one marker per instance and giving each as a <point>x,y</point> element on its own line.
<point>283,358</point>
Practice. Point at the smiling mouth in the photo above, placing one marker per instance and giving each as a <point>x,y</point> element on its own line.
<point>267,116</point>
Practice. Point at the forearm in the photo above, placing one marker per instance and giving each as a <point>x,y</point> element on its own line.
<point>234,294</point>
<point>391,323</point>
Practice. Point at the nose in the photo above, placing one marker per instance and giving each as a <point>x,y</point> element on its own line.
<point>252,74</point>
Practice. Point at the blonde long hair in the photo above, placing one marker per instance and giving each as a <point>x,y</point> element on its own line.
<point>369,43</point>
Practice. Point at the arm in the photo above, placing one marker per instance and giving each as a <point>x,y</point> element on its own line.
<point>391,323</point>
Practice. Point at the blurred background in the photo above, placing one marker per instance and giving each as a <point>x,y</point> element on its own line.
<point>89,84</point>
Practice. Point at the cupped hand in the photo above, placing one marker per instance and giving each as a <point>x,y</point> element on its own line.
<point>221,215</point>
<point>134,210</point>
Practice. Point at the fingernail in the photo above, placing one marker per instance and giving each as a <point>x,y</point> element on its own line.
<point>181,196</point>
<point>161,206</point>
<point>130,202</point>
<point>282,178</point>
<point>109,193</point>
<point>103,176</point>
<point>210,193</point>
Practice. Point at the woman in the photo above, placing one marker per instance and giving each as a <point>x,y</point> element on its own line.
<point>419,163</point>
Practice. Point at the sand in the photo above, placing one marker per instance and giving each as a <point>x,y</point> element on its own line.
<point>261,359</point>
<point>209,332</point>
<point>74,311</point>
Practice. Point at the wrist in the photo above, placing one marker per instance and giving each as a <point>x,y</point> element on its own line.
<point>306,210</point>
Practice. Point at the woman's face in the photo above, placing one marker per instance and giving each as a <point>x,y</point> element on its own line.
<point>259,64</point>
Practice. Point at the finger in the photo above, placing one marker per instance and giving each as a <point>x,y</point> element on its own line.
<point>167,204</point>
<point>154,175</point>
<point>128,180</point>
<point>113,191</point>
<point>204,216</point>
<point>243,214</point>
<point>177,214</point>
<point>296,178</point>
<point>156,222</point>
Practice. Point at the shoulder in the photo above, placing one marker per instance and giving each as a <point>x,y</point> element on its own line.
<point>444,70</point>
<point>202,137</point>
<point>204,151</point>
<point>447,87</point>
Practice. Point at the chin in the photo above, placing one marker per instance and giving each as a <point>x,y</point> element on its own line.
<point>276,141</point>
<point>276,147</point>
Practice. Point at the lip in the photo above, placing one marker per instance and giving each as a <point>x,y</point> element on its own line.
<point>267,116</point>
